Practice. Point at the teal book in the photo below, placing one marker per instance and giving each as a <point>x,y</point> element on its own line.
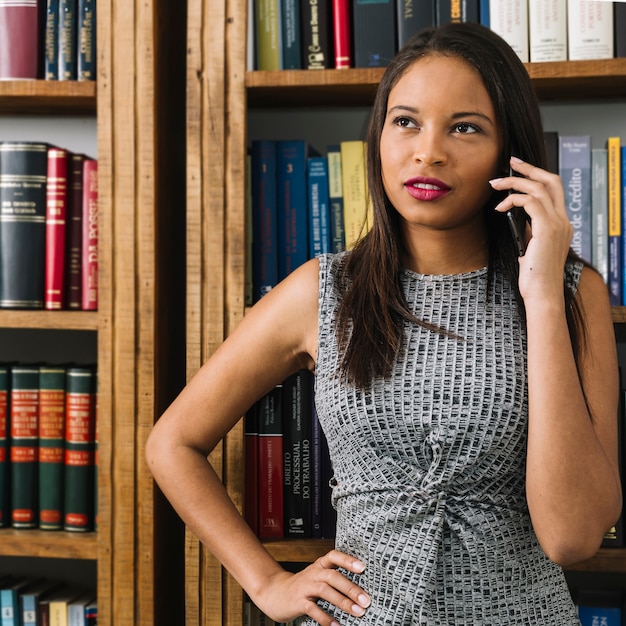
<point>80,443</point>
<point>319,208</point>
<point>9,601</point>
<point>24,429</point>
<point>291,40</point>
<point>68,37</point>
<point>86,45</point>
<point>5,500</point>
<point>51,446</point>
<point>51,60</point>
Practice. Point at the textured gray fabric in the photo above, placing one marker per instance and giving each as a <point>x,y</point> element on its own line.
<point>429,466</point>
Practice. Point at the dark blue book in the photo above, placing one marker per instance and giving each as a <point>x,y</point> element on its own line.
<point>292,204</point>
<point>68,37</point>
<point>412,16</point>
<point>374,32</point>
<point>86,45</point>
<point>600,607</point>
<point>484,13</point>
<point>335,194</point>
<point>291,41</point>
<point>51,47</point>
<point>319,209</point>
<point>264,217</point>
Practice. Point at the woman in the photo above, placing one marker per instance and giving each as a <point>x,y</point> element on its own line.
<point>468,394</point>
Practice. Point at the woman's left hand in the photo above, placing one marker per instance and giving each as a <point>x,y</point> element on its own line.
<point>541,195</point>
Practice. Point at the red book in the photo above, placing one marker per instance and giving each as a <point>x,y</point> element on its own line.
<point>74,239</point>
<point>56,213</point>
<point>341,34</point>
<point>271,509</point>
<point>4,446</point>
<point>20,40</point>
<point>90,236</point>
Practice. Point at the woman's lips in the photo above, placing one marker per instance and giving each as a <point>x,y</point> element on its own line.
<point>426,189</point>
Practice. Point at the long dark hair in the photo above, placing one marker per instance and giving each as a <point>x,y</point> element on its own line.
<point>373,307</point>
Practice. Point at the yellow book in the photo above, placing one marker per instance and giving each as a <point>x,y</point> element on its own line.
<point>615,220</point>
<point>354,191</point>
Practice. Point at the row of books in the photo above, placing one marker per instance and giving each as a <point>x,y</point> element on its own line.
<point>43,602</point>
<point>320,34</point>
<point>48,227</point>
<point>48,447</point>
<point>51,39</point>
<point>287,465</point>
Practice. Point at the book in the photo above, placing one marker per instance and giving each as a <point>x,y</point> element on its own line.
<point>318,202</point>
<point>67,34</point>
<point>56,214</point>
<point>329,515</point>
<point>615,220</point>
<point>91,613</point>
<point>622,193</point>
<point>599,212</point>
<point>270,474</point>
<point>251,462</point>
<point>589,30</point>
<point>484,13</point>
<point>51,41</point>
<point>335,197</point>
<point>89,266</point>
<point>547,26</point>
<point>80,437</point>
<point>291,39</point>
<point>342,34</point>
<point>354,187</point>
<point>292,204</point>
<point>86,45</point>
<point>20,39</point>
<point>509,19</point>
<point>373,32</point>
<point>74,234</point>
<point>411,17</point>
<point>30,598</point>
<point>575,171</point>
<point>317,490</point>
<point>5,500</point>
<point>59,606</point>
<point>51,446</point>
<point>264,217</point>
<point>317,39</point>
<point>447,11</point>
<point>297,478</point>
<point>9,601</point>
<point>24,429</point>
<point>551,141</point>
<point>23,172</point>
<point>268,34</point>
<point>600,607</point>
<point>619,28</point>
<point>77,609</point>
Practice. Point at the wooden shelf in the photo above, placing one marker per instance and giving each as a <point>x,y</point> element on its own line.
<point>619,314</point>
<point>25,97</point>
<point>606,560</point>
<point>59,320</point>
<point>48,544</point>
<point>298,551</point>
<point>568,80</point>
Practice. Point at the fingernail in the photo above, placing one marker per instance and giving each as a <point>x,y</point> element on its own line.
<point>358,566</point>
<point>494,180</point>
<point>357,610</point>
<point>364,600</point>
<point>516,159</point>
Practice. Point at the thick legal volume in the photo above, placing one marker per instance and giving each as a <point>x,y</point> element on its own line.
<point>90,236</point>
<point>23,170</point>
<point>20,39</point>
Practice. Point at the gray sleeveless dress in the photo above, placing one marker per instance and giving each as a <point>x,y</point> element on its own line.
<point>429,466</point>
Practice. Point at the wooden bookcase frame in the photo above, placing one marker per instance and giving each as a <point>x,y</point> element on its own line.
<point>141,244</point>
<point>219,92</point>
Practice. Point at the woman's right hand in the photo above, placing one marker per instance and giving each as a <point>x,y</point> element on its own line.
<point>288,596</point>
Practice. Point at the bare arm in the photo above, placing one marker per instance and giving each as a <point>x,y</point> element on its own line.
<point>277,338</point>
<point>572,482</point>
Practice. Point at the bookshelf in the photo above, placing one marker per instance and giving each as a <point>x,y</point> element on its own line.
<point>138,108</point>
<point>220,94</point>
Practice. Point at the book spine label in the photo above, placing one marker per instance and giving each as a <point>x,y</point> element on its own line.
<point>342,34</point>
<point>56,214</point>
<point>51,61</point>
<point>20,44</point>
<point>23,172</point>
<point>547,26</point>
<point>86,47</point>
<point>316,34</point>
<point>51,446</point>
<point>74,243</point>
<point>90,236</point>
<point>589,30</point>
<point>80,415</point>
<point>24,418</point>
<point>5,500</point>
<point>615,221</point>
<point>67,39</point>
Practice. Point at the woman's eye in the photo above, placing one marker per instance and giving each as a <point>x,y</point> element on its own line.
<point>405,122</point>
<point>465,128</point>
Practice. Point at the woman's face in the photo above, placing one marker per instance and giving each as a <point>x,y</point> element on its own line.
<point>440,145</point>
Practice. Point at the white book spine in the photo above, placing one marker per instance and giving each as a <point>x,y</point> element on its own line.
<point>599,212</point>
<point>509,18</point>
<point>589,30</point>
<point>547,25</point>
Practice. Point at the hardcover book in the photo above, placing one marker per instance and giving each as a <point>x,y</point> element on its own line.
<point>268,34</point>
<point>24,428</point>
<point>89,270</point>
<point>317,38</point>
<point>589,30</point>
<point>23,172</point>
<point>354,191</point>
<point>51,446</point>
<point>86,46</point>
<point>615,220</point>
<point>374,32</point>
<point>342,34</point>
<point>575,171</point>
<point>335,197</point>
<point>5,500</point>
<point>291,40</point>
<point>547,25</point>
<point>20,39</point>
<point>619,28</point>
<point>74,243</point>
<point>51,42</point>
<point>456,11</point>
<point>10,601</point>
<point>68,36</point>
<point>56,221</point>
<point>30,599</point>
<point>509,18</point>
<point>412,16</point>
<point>319,210</point>
<point>80,438</point>
<point>599,212</point>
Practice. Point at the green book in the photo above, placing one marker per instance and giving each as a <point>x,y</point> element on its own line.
<point>5,501</point>
<point>24,417</point>
<point>51,446</point>
<point>80,437</point>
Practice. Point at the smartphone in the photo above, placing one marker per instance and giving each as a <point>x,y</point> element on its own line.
<point>518,218</point>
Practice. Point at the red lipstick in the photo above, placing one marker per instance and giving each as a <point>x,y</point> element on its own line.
<point>426,189</point>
